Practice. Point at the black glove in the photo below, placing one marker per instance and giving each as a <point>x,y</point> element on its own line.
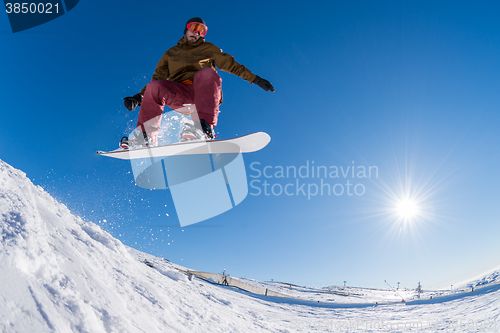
<point>263,83</point>
<point>132,102</point>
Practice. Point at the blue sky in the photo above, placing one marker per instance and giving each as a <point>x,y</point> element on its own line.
<point>409,88</point>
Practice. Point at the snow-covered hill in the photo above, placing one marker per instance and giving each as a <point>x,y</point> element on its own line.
<point>59,273</point>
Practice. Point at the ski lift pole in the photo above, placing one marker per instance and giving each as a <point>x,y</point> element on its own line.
<point>394,290</point>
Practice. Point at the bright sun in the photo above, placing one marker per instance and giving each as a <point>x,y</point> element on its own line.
<point>407,209</point>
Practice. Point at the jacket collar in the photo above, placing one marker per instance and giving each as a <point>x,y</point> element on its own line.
<point>183,42</point>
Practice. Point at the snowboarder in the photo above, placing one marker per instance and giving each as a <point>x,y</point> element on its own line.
<point>186,80</point>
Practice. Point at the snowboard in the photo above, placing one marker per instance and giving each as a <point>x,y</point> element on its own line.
<point>244,144</point>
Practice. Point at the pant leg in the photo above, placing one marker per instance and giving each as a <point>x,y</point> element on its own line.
<point>158,94</point>
<point>207,86</point>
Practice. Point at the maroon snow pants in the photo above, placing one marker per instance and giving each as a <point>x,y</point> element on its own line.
<point>204,93</point>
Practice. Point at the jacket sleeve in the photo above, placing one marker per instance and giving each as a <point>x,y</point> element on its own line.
<point>161,71</point>
<point>227,63</point>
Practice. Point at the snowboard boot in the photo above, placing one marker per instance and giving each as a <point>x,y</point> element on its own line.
<point>200,131</point>
<point>140,140</point>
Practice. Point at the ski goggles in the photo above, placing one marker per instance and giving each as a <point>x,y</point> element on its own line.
<point>198,27</point>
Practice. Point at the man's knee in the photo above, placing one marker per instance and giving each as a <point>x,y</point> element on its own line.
<point>207,74</point>
<point>153,86</point>
<point>160,89</point>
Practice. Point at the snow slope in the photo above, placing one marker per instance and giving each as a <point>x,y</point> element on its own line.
<point>59,273</point>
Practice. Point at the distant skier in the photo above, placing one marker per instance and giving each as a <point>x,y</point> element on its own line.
<point>186,80</point>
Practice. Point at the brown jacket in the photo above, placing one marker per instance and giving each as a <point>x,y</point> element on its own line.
<point>182,61</point>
